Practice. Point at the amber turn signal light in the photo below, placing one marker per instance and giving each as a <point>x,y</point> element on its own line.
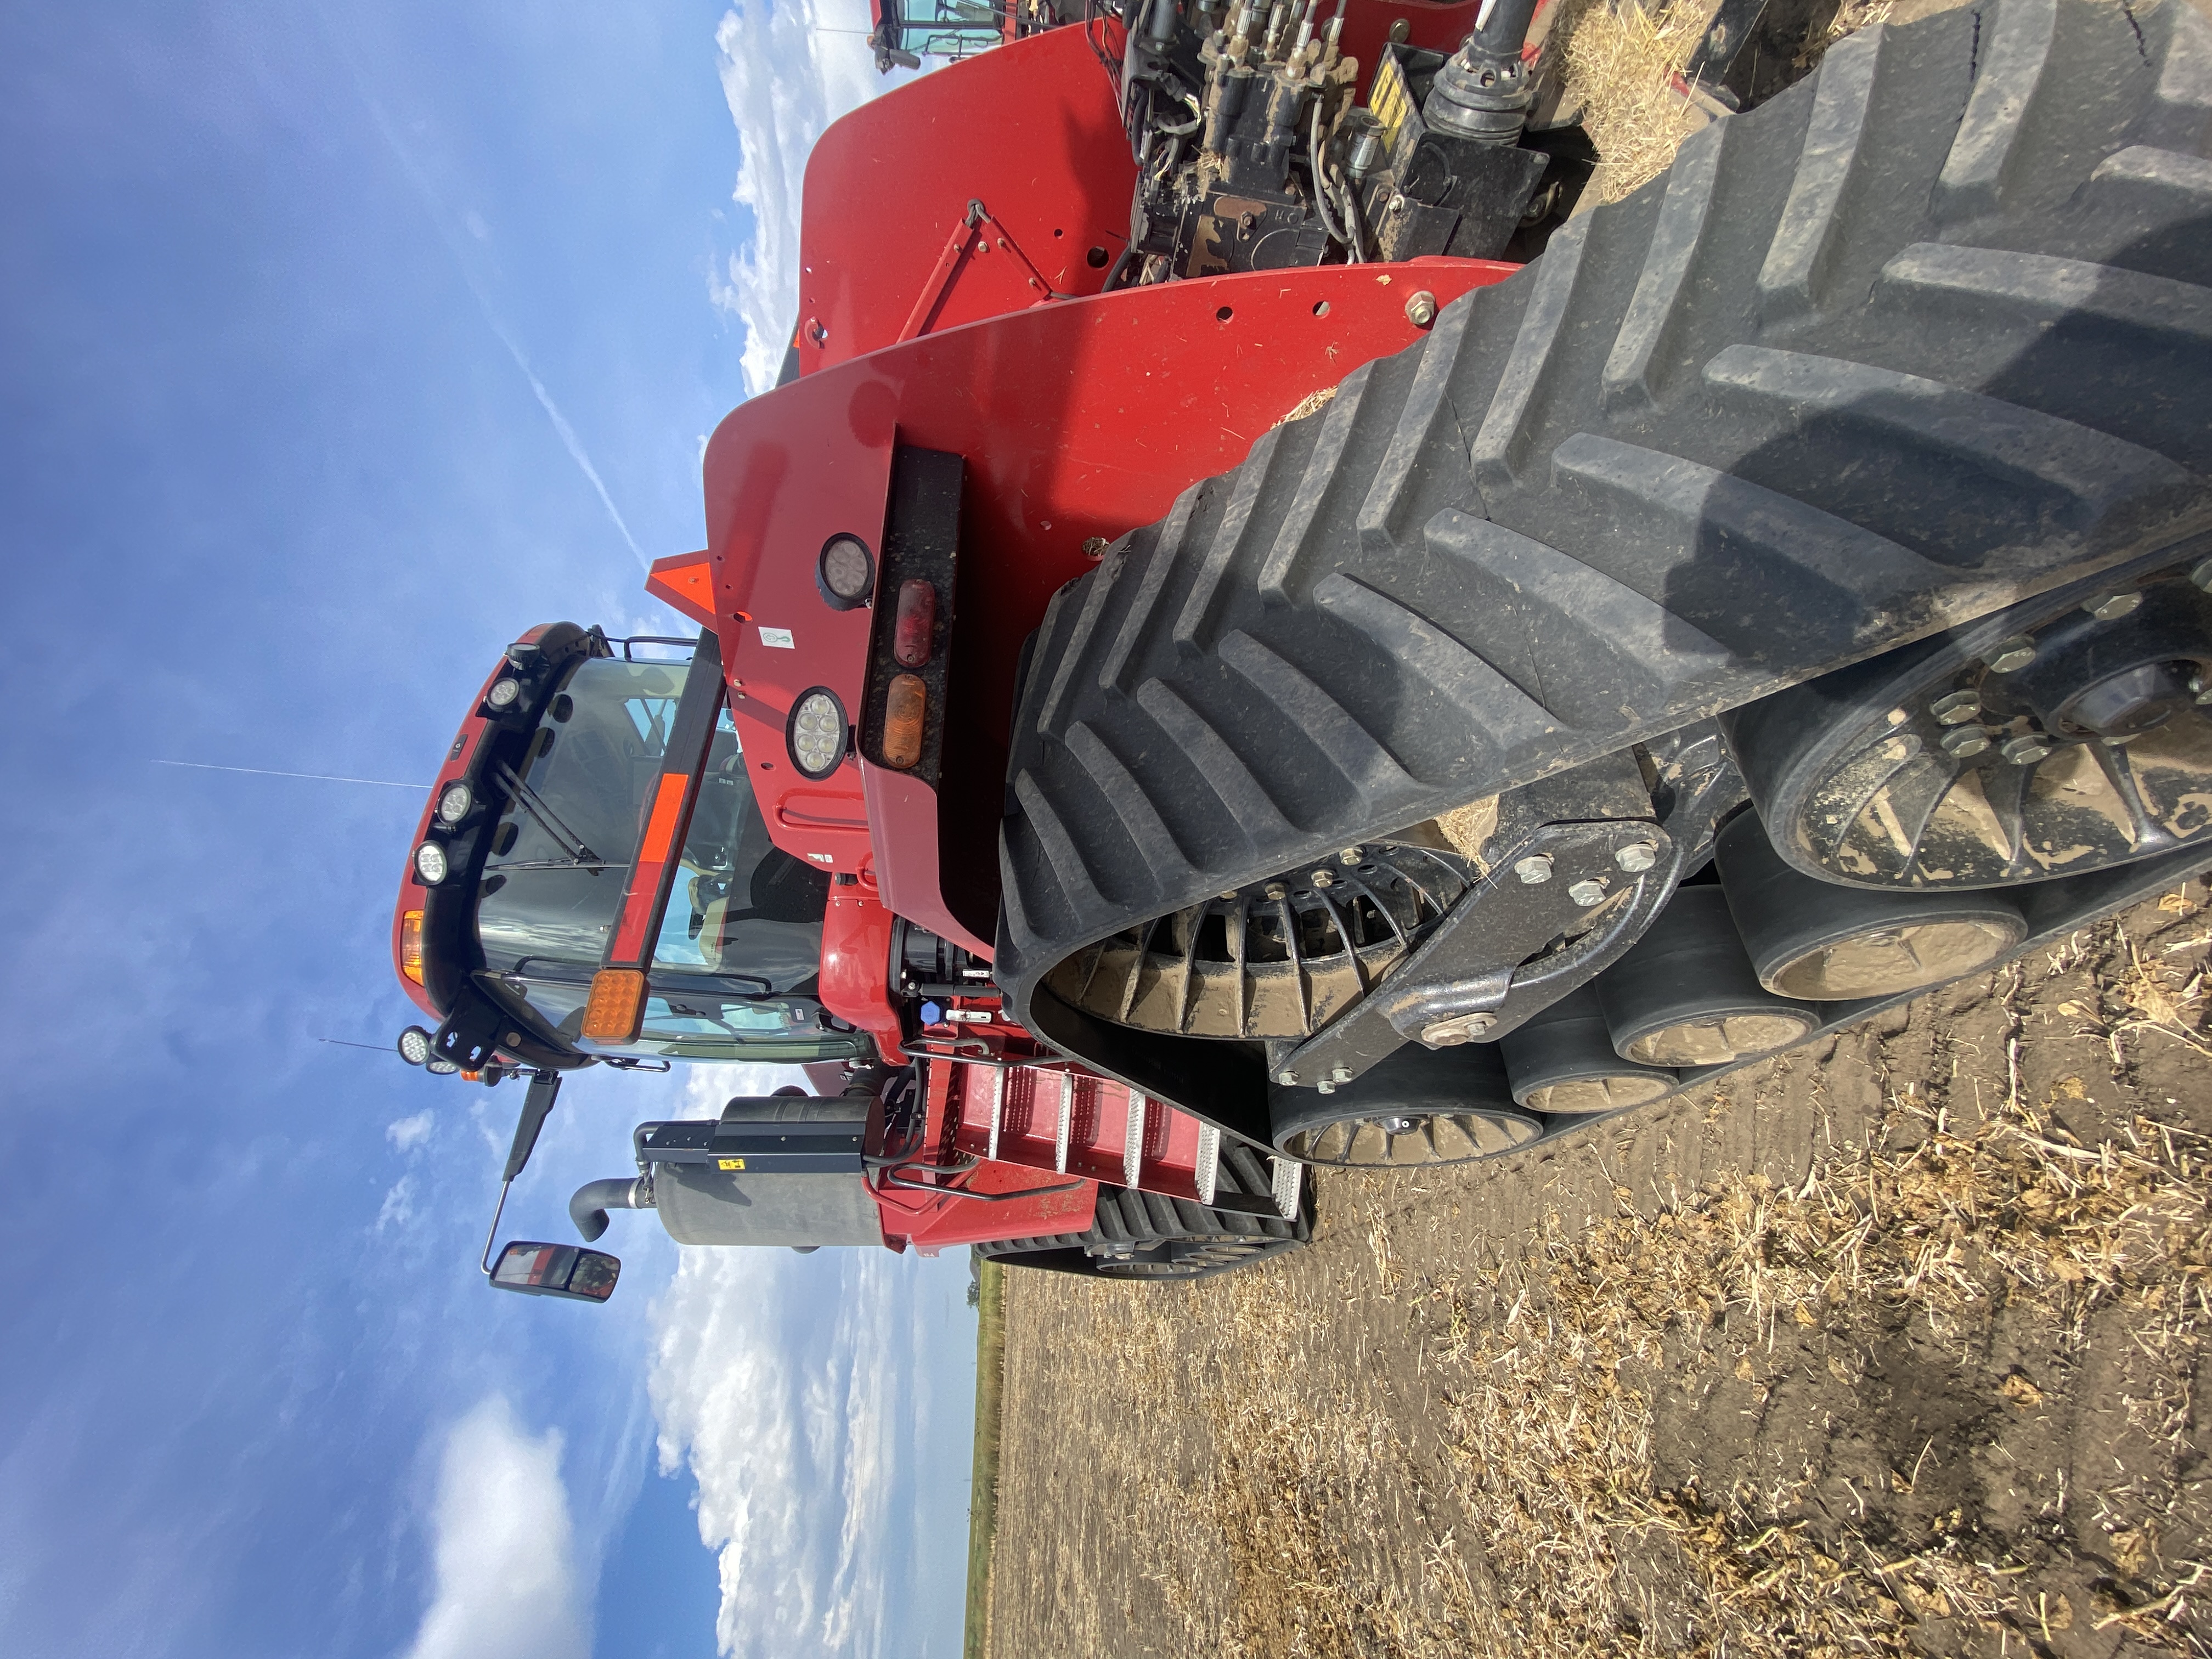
<point>410,945</point>
<point>616,1008</point>
<point>903,713</point>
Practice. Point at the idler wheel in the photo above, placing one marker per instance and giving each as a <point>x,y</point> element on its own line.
<point>1685,993</point>
<point>1562,1062</point>
<point>2065,734</point>
<point>1419,1107</point>
<point>1819,942</point>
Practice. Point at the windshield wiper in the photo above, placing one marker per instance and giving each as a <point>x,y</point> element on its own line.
<point>581,857</point>
<point>593,866</point>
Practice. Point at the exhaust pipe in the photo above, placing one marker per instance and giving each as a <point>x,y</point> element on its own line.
<point>588,1208</point>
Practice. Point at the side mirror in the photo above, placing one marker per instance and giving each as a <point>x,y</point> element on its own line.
<point>555,1270</point>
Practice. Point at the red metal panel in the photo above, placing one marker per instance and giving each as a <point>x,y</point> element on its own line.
<point>1028,128</point>
<point>933,1223</point>
<point>686,582</point>
<point>907,856</point>
<point>856,950</point>
<point>1078,421</point>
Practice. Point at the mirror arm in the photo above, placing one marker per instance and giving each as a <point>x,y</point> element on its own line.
<point>544,1087</point>
<point>484,1265</point>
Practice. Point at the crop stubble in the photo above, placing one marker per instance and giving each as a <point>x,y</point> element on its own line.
<point>1888,1346</point>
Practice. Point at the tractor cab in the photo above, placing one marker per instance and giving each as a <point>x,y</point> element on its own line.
<point>526,873</point>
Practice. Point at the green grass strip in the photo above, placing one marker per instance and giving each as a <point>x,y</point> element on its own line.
<point>983,1498</point>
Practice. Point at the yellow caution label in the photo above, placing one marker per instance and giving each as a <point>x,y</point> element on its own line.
<point>729,1164</point>
<point>1388,101</point>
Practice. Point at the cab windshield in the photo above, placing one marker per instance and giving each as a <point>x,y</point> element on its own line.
<point>734,969</point>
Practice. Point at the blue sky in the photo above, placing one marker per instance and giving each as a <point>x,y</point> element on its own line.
<point>337,347</point>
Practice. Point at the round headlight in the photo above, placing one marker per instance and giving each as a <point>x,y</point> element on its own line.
<point>453,805</point>
<point>817,733</point>
<point>847,571</point>
<point>441,1068</point>
<point>415,1046</point>
<point>504,692</point>
<point>430,863</point>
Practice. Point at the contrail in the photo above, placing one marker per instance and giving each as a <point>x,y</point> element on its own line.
<point>264,772</point>
<point>567,433</point>
<point>435,210</point>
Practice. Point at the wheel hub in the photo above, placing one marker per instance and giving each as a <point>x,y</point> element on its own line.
<point>2125,705</point>
<point>2063,736</point>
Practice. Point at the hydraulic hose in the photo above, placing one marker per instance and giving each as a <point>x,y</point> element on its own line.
<point>1321,178</point>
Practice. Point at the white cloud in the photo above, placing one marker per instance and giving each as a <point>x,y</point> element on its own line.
<point>408,1133</point>
<point>398,1206</point>
<point>785,79</point>
<point>708,1088</point>
<point>503,1548</point>
<point>794,1431</point>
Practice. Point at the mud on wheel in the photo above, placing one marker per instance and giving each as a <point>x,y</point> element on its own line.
<point>1875,430</point>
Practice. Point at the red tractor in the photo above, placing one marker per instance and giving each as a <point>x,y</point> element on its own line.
<point>1257,631</point>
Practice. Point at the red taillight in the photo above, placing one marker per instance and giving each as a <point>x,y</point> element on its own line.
<point>917,622</point>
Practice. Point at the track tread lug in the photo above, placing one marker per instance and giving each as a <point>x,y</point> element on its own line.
<point>1825,190</point>
<point>1067,861</point>
<point>1532,603</point>
<point>1252,482</point>
<point>2007,88</point>
<point>2181,115</point>
<point>1250,806</point>
<point>1358,758</point>
<point>1159,564</point>
<point>1762,572</point>
<point>1503,716</point>
<point>1082,631</point>
<point>1131,801</point>
<point>2023,473</point>
<point>1304,516</point>
<point>1427,409</point>
<point>1630,378</point>
<point>1502,442</point>
<point>2043,288</point>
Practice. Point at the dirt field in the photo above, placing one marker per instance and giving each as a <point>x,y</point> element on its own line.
<point>1891,1346</point>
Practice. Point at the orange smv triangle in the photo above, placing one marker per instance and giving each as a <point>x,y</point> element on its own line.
<point>685,581</point>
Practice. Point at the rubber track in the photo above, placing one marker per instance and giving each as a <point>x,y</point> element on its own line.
<point>1125,1215</point>
<point>1924,334</point>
